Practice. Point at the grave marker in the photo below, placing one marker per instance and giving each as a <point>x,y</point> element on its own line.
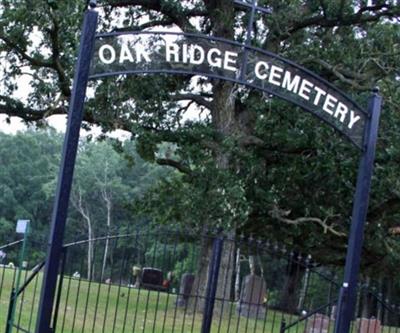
<point>252,297</point>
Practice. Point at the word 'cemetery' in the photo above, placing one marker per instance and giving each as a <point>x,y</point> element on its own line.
<point>305,89</point>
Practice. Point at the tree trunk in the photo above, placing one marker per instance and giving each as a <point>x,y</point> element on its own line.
<point>79,206</point>
<point>90,245</point>
<point>289,296</point>
<point>388,295</point>
<point>379,310</point>
<point>90,250</point>
<point>252,265</point>
<point>229,123</point>
<point>304,289</point>
<point>223,118</point>
<point>107,244</point>
<point>237,276</point>
<point>225,277</point>
<point>198,291</point>
<point>366,301</point>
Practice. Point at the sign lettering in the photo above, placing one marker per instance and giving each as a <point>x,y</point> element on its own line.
<point>177,53</point>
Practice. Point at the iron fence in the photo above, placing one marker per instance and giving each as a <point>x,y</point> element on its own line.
<point>163,280</point>
<point>7,276</point>
<point>373,314</point>
<point>18,303</point>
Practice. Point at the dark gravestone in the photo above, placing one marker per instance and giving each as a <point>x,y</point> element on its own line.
<point>317,323</point>
<point>152,278</point>
<point>252,297</point>
<point>185,289</point>
<point>364,325</point>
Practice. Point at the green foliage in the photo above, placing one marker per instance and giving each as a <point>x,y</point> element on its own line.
<point>105,185</point>
<point>250,156</point>
<point>28,177</point>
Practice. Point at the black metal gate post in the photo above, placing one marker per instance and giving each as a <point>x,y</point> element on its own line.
<point>60,288</point>
<point>54,248</point>
<point>11,306</point>
<point>212,284</point>
<point>348,291</point>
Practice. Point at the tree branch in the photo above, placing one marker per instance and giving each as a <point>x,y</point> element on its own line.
<point>148,25</point>
<point>281,215</point>
<point>179,17</point>
<point>15,108</point>
<point>251,140</point>
<point>363,15</point>
<point>25,56</point>
<point>175,164</point>
<point>193,97</point>
<point>55,46</point>
<point>389,205</point>
<point>343,75</point>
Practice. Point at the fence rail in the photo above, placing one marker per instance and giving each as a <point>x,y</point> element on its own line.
<point>173,281</point>
<point>258,285</point>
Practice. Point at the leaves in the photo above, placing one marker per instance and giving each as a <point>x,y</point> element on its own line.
<point>248,153</point>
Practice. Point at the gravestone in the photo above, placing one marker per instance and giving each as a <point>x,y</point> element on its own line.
<point>152,278</point>
<point>136,273</point>
<point>333,312</point>
<point>317,323</point>
<point>185,289</point>
<point>364,325</point>
<point>3,256</point>
<point>252,297</point>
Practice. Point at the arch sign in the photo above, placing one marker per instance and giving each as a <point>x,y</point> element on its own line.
<point>129,53</point>
<point>174,53</point>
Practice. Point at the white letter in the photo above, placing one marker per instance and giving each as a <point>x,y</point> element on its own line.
<point>353,119</point>
<point>112,54</point>
<point>275,73</point>
<point>289,84</point>
<point>142,53</point>
<point>200,51</point>
<point>172,49</point>
<point>217,61</point>
<point>341,110</point>
<point>185,53</point>
<point>258,70</point>
<point>229,61</point>
<point>305,88</point>
<point>319,94</point>
<point>329,104</point>
<point>125,54</point>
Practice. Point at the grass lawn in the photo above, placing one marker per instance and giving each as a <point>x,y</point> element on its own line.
<point>93,307</point>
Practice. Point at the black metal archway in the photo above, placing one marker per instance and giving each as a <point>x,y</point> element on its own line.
<point>115,54</point>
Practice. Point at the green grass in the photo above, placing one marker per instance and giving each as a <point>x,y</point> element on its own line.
<point>93,307</point>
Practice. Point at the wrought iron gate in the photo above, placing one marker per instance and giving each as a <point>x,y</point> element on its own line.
<point>162,281</point>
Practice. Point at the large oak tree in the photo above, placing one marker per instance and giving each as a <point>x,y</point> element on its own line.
<point>251,163</point>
